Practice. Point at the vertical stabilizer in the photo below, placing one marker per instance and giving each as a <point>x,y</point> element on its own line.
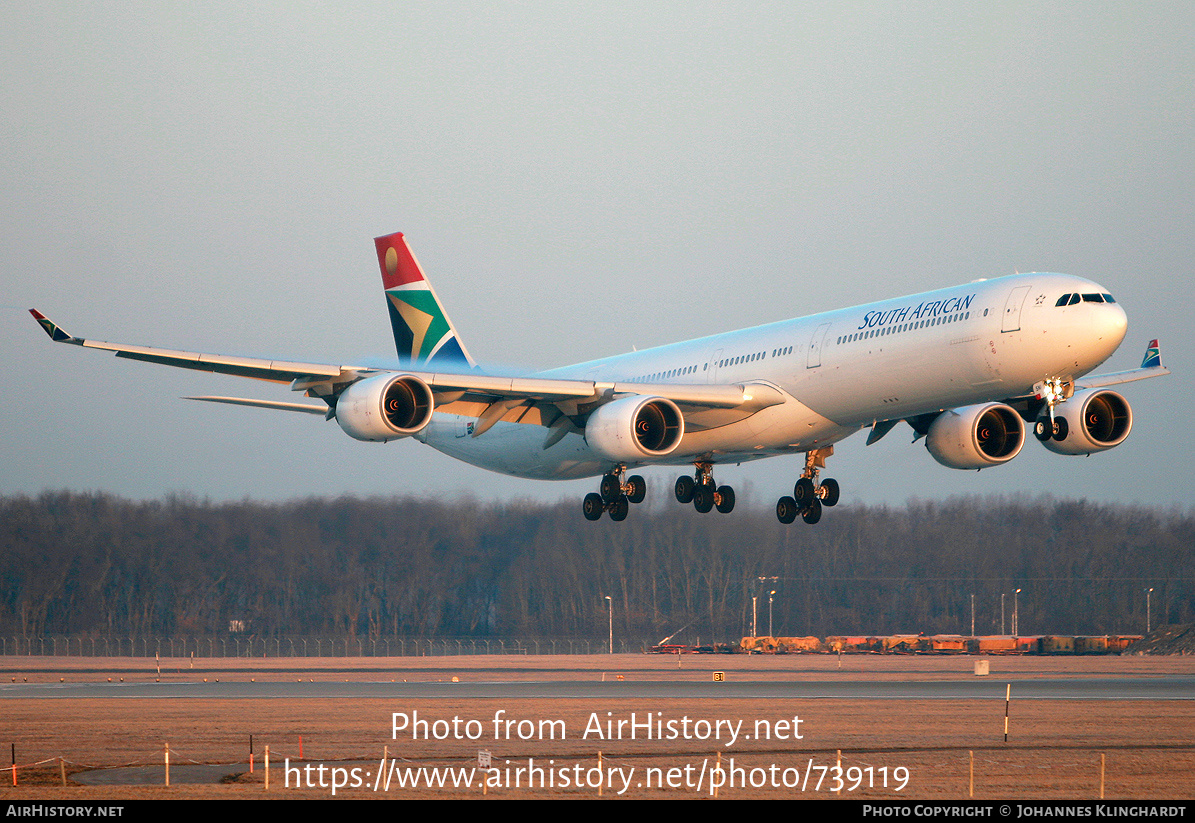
<point>422,331</point>
<point>1153,355</point>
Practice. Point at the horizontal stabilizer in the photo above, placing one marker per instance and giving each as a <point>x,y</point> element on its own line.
<point>265,404</point>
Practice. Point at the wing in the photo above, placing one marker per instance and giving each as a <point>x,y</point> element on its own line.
<point>489,398</point>
<point>1151,366</point>
<point>275,371</point>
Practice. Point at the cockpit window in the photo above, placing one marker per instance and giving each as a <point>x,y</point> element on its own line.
<point>1109,298</point>
<point>1093,298</point>
<point>1062,300</point>
<point>1074,300</point>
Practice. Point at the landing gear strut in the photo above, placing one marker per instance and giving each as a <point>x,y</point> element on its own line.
<point>808,495</point>
<point>1053,391</point>
<point>615,494</point>
<point>702,492</point>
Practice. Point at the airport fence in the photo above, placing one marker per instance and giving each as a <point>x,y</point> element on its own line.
<point>307,646</point>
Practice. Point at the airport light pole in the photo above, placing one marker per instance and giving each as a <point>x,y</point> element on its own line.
<point>1001,613</point>
<point>1016,627</point>
<point>760,582</point>
<point>771,597</point>
<point>972,615</point>
<point>610,603</point>
<point>1148,592</point>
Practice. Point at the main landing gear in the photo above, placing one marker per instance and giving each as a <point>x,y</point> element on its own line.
<point>703,493</point>
<point>614,495</point>
<point>808,495</point>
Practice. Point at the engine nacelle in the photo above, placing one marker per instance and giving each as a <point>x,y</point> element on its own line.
<point>385,407</point>
<point>634,428</point>
<point>975,437</point>
<point>1096,419</point>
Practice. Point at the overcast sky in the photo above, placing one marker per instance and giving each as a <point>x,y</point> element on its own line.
<point>576,179</point>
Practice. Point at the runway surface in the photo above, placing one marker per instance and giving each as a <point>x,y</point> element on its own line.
<point>1177,687</point>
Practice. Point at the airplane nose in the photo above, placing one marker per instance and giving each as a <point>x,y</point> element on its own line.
<point>1113,324</point>
<point>1117,321</point>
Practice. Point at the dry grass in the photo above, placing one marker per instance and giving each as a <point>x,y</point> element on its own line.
<point>1054,749</point>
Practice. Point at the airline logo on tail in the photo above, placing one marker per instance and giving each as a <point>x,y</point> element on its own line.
<point>56,334</point>
<point>1153,356</point>
<point>422,330</point>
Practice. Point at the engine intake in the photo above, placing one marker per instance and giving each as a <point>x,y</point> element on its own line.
<point>976,437</point>
<point>635,428</point>
<point>1095,420</point>
<point>385,407</point>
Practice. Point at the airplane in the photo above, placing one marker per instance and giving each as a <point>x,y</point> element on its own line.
<point>970,368</point>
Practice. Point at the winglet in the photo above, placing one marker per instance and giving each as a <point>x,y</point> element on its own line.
<point>422,330</point>
<point>1153,355</point>
<point>56,333</point>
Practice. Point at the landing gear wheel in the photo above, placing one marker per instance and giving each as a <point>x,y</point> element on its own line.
<point>814,513</point>
<point>829,492</point>
<point>619,508</point>
<point>803,492</point>
<point>611,488</point>
<point>684,489</point>
<point>724,499</point>
<point>593,506</point>
<point>703,498</point>
<point>1042,429</point>
<point>636,488</point>
<point>1061,428</point>
<point>786,510</point>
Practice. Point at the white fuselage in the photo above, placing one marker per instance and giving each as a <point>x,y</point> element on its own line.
<point>840,371</point>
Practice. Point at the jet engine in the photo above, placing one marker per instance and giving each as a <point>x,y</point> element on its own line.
<point>635,428</point>
<point>385,407</point>
<point>1089,421</point>
<point>975,437</point>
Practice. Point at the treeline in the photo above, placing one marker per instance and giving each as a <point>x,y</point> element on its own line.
<point>91,564</point>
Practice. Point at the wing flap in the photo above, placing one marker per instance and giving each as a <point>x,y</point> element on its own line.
<point>732,396</point>
<point>529,388</point>
<point>275,371</point>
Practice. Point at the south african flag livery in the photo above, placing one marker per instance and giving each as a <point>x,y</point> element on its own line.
<point>1153,357</point>
<point>423,334</point>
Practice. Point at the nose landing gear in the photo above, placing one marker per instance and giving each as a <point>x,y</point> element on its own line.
<point>615,495</point>
<point>808,495</point>
<point>1052,391</point>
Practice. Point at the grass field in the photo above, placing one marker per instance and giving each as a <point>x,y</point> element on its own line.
<point>1054,749</point>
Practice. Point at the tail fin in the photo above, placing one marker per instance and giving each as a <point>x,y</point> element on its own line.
<point>1153,355</point>
<point>422,331</point>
